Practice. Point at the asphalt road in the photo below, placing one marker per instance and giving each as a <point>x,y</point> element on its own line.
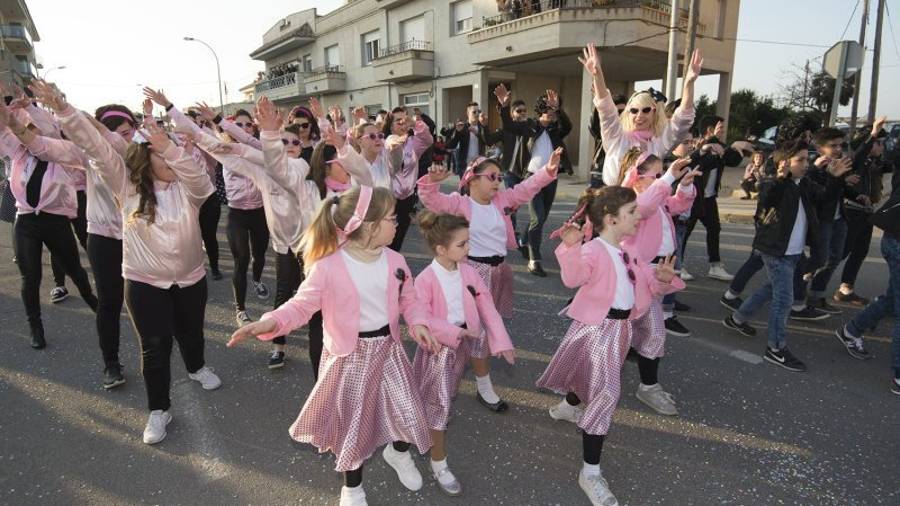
<point>748,432</point>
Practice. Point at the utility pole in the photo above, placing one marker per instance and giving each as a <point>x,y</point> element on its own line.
<point>805,86</point>
<point>876,63</point>
<point>858,80</point>
<point>672,64</point>
<point>691,37</point>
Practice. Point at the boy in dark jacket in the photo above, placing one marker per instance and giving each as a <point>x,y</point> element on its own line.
<point>785,222</point>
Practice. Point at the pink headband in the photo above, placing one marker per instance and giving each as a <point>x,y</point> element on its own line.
<point>631,176</point>
<point>469,174</point>
<point>116,113</point>
<point>359,214</point>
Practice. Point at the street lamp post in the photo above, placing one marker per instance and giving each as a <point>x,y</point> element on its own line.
<point>47,73</point>
<point>218,70</point>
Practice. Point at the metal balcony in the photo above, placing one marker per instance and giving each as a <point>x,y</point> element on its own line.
<point>409,61</point>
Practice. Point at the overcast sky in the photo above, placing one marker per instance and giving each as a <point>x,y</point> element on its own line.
<point>110,47</point>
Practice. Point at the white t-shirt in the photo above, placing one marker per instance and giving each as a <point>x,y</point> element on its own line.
<point>624,298</point>
<point>710,189</point>
<point>540,152</point>
<point>667,246</point>
<point>487,231</point>
<point>370,280</point>
<point>473,147</point>
<point>452,286</point>
<point>798,233</point>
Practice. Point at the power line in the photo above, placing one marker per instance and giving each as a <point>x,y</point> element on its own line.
<point>891,26</point>
<point>850,20</point>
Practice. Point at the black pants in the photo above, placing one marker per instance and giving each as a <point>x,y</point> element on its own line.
<point>210,212</point>
<point>33,231</point>
<point>709,216</point>
<point>159,316</point>
<point>539,211</point>
<point>749,186</point>
<point>105,256</point>
<point>248,235</point>
<point>856,248</point>
<point>404,210</point>
<point>288,275</point>
<point>79,226</point>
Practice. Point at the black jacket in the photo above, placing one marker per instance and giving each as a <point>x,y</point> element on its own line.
<point>707,163</point>
<point>532,129</point>
<point>460,139</point>
<point>509,135</point>
<point>777,209</point>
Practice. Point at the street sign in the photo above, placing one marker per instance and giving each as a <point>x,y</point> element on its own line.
<point>849,49</point>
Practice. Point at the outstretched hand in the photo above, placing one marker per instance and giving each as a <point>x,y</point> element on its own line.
<point>553,163</point>
<point>665,270</point>
<point>251,330</point>
<point>48,94</point>
<point>269,118</point>
<point>502,95</point>
<point>678,168</point>
<point>206,112</point>
<point>316,108</point>
<point>157,96</point>
<point>591,60</point>
<point>696,66</point>
<point>334,138</point>
<point>688,178</point>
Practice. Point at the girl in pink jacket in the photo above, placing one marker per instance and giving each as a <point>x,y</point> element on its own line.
<point>653,242</point>
<point>365,395</point>
<point>488,210</point>
<point>461,313</point>
<point>614,289</point>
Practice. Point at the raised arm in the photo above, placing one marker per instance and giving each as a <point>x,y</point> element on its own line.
<point>431,196</point>
<point>193,177</point>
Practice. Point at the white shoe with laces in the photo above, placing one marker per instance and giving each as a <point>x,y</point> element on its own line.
<point>403,464</point>
<point>717,271</point>
<point>155,431</point>
<point>207,378</point>
<point>658,399</point>
<point>597,489</point>
<point>566,412</point>
<point>353,496</point>
<point>685,275</point>
<point>448,482</point>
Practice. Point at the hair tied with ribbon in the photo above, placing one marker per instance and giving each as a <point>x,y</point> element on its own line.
<point>359,214</point>
<point>631,177</point>
<point>557,234</point>
<point>469,174</point>
<point>657,95</point>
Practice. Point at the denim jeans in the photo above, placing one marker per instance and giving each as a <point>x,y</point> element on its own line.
<point>755,263</point>
<point>826,258</point>
<point>539,211</point>
<point>511,180</point>
<point>780,290</point>
<point>887,304</point>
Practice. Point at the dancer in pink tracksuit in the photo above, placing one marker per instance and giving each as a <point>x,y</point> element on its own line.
<point>614,288</point>
<point>365,395</point>
<point>461,310</point>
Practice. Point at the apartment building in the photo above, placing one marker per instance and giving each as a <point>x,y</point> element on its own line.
<point>17,37</point>
<point>439,55</point>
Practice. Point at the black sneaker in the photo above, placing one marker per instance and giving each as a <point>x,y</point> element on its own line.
<point>854,345</point>
<point>523,248</point>
<point>59,294</point>
<point>276,360</point>
<point>823,306</point>
<point>675,328</point>
<point>681,307</point>
<point>851,298</point>
<point>784,358</point>
<point>808,314</point>
<point>895,386</point>
<point>112,377</point>
<point>732,304</point>
<point>744,328</point>
<point>535,268</point>
<point>216,274</point>
<point>37,336</point>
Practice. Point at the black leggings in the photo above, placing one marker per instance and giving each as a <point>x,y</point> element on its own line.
<point>649,370</point>
<point>248,235</point>
<point>288,275</point>
<point>159,316</point>
<point>404,210</point>
<point>592,446</point>
<point>710,220</point>
<point>79,226</point>
<point>354,478</point>
<point>210,212</point>
<point>33,231</point>
<point>105,256</point>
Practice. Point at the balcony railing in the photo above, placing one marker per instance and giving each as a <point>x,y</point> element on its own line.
<point>15,32</point>
<point>411,45</point>
<point>328,69</point>
<point>277,82</point>
<point>547,5</point>
<point>24,68</point>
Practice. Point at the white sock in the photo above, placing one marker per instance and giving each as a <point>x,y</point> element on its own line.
<point>591,469</point>
<point>644,387</point>
<point>730,295</point>
<point>486,389</point>
<point>798,307</point>
<point>668,314</point>
<point>846,290</point>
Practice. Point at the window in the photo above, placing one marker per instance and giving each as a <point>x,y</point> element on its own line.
<point>307,63</point>
<point>412,29</point>
<point>372,110</point>
<point>461,14</point>
<point>332,56</point>
<point>370,46</point>
<point>419,100</point>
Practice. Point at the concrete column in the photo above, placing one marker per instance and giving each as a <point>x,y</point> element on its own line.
<point>481,90</point>
<point>585,141</point>
<point>723,101</point>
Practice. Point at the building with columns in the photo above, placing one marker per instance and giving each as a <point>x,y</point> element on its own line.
<point>439,55</point>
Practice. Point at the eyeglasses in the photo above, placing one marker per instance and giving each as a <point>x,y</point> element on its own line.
<point>295,142</point>
<point>303,126</point>
<point>379,135</point>
<point>627,260</point>
<point>645,110</point>
<point>242,125</point>
<point>492,177</point>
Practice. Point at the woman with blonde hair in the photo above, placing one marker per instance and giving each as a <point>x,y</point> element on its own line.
<point>643,123</point>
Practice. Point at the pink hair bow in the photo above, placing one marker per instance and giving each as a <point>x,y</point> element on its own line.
<point>359,214</point>
<point>469,174</point>
<point>631,176</point>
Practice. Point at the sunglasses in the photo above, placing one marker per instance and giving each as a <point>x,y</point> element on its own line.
<point>242,125</point>
<point>648,176</point>
<point>379,135</point>
<point>627,260</point>
<point>645,110</point>
<point>295,142</point>
<point>520,111</point>
<point>492,177</point>
<point>303,126</point>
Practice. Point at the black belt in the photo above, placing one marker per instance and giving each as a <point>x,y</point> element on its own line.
<point>618,314</point>
<point>383,331</point>
<point>493,261</point>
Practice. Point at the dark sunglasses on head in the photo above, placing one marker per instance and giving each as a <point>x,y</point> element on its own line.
<point>379,135</point>
<point>295,142</point>
<point>645,110</point>
<point>492,177</point>
<point>303,126</point>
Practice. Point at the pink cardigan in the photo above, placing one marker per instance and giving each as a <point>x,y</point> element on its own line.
<point>589,268</point>
<point>479,309</point>
<point>506,200</point>
<point>648,238</point>
<point>330,289</point>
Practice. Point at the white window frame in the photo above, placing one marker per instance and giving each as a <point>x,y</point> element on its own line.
<point>422,100</point>
<point>307,63</point>
<point>404,33</point>
<point>337,51</point>
<point>371,44</point>
<point>459,25</point>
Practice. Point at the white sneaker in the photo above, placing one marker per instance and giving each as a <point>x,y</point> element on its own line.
<point>685,275</point>
<point>155,431</point>
<point>353,496</point>
<point>597,490</point>
<point>207,378</point>
<point>567,412</point>
<point>658,399</point>
<point>717,271</point>
<point>242,318</point>
<point>406,469</point>
<point>448,482</point>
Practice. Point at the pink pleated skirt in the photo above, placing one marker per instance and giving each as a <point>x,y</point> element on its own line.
<point>649,338</point>
<point>499,280</point>
<point>438,376</point>
<point>589,363</point>
<point>361,402</point>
